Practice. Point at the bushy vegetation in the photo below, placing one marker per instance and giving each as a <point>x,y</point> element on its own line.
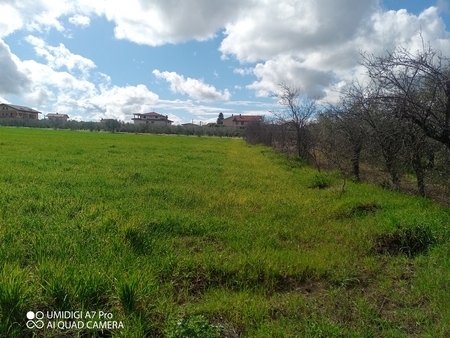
<point>199,236</point>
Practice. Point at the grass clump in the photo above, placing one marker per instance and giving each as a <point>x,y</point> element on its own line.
<point>128,295</point>
<point>359,210</point>
<point>407,240</point>
<point>193,327</point>
<point>320,181</point>
<point>14,295</point>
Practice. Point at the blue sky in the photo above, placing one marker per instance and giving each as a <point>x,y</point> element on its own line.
<point>191,59</point>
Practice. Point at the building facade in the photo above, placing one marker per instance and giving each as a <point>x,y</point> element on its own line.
<point>14,111</point>
<point>152,117</point>
<point>58,117</point>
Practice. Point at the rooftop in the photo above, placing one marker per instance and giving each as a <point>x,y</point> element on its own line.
<point>22,108</point>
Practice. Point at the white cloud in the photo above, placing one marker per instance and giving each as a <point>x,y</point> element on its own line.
<point>313,44</point>
<point>274,27</point>
<point>12,79</point>
<point>59,57</point>
<point>243,71</point>
<point>287,70</point>
<point>316,59</point>
<point>80,20</point>
<point>196,89</point>
<point>121,102</point>
<point>171,21</point>
<point>38,97</point>
<point>56,90</point>
<point>11,20</point>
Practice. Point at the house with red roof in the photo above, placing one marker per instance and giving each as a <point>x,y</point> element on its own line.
<point>240,120</point>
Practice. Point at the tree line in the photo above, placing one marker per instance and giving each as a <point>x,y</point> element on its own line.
<point>396,121</point>
<point>114,126</point>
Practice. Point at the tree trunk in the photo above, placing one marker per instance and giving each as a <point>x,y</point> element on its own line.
<point>420,173</point>
<point>392,170</point>
<point>355,161</point>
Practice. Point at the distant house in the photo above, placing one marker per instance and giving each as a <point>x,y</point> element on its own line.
<point>152,117</point>
<point>190,125</point>
<point>14,111</point>
<point>107,120</point>
<point>58,117</point>
<point>240,120</point>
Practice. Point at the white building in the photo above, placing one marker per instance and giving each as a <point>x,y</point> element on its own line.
<point>152,117</point>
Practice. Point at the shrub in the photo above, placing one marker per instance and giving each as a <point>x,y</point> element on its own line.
<point>192,327</point>
<point>320,181</point>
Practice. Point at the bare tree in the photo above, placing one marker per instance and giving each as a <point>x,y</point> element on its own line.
<point>296,114</point>
<point>417,86</point>
<point>341,135</point>
<point>384,131</point>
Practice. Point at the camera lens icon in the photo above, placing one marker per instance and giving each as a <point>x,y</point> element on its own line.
<point>31,324</point>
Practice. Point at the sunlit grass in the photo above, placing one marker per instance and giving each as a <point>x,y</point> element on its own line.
<point>152,228</point>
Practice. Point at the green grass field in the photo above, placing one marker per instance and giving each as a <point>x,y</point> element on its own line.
<point>210,237</point>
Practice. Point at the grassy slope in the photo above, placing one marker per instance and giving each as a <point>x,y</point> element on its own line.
<point>157,227</point>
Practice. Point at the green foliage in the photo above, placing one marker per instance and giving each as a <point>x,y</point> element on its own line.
<point>192,327</point>
<point>320,181</point>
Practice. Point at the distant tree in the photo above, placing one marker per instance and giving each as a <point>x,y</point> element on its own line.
<point>112,125</point>
<point>296,114</point>
<point>220,119</point>
<point>259,132</point>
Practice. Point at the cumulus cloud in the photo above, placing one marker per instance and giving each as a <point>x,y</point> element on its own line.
<point>290,71</point>
<point>120,102</point>
<point>57,90</point>
<point>80,20</point>
<point>171,21</point>
<point>12,79</point>
<point>43,15</point>
<point>243,71</point>
<point>194,88</point>
<point>11,19</point>
<point>291,27</point>
<point>313,44</point>
<point>60,56</point>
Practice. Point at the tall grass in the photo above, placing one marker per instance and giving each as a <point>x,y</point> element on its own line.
<point>211,233</point>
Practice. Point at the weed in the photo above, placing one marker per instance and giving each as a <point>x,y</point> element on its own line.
<point>192,327</point>
<point>57,291</point>
<point>360,209</point>
<point>322,329</point>
<point>139,240</point>
<point>14,295</point>
<point>408,240</point>
<point>128,295</point>
<point>320,181</point>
